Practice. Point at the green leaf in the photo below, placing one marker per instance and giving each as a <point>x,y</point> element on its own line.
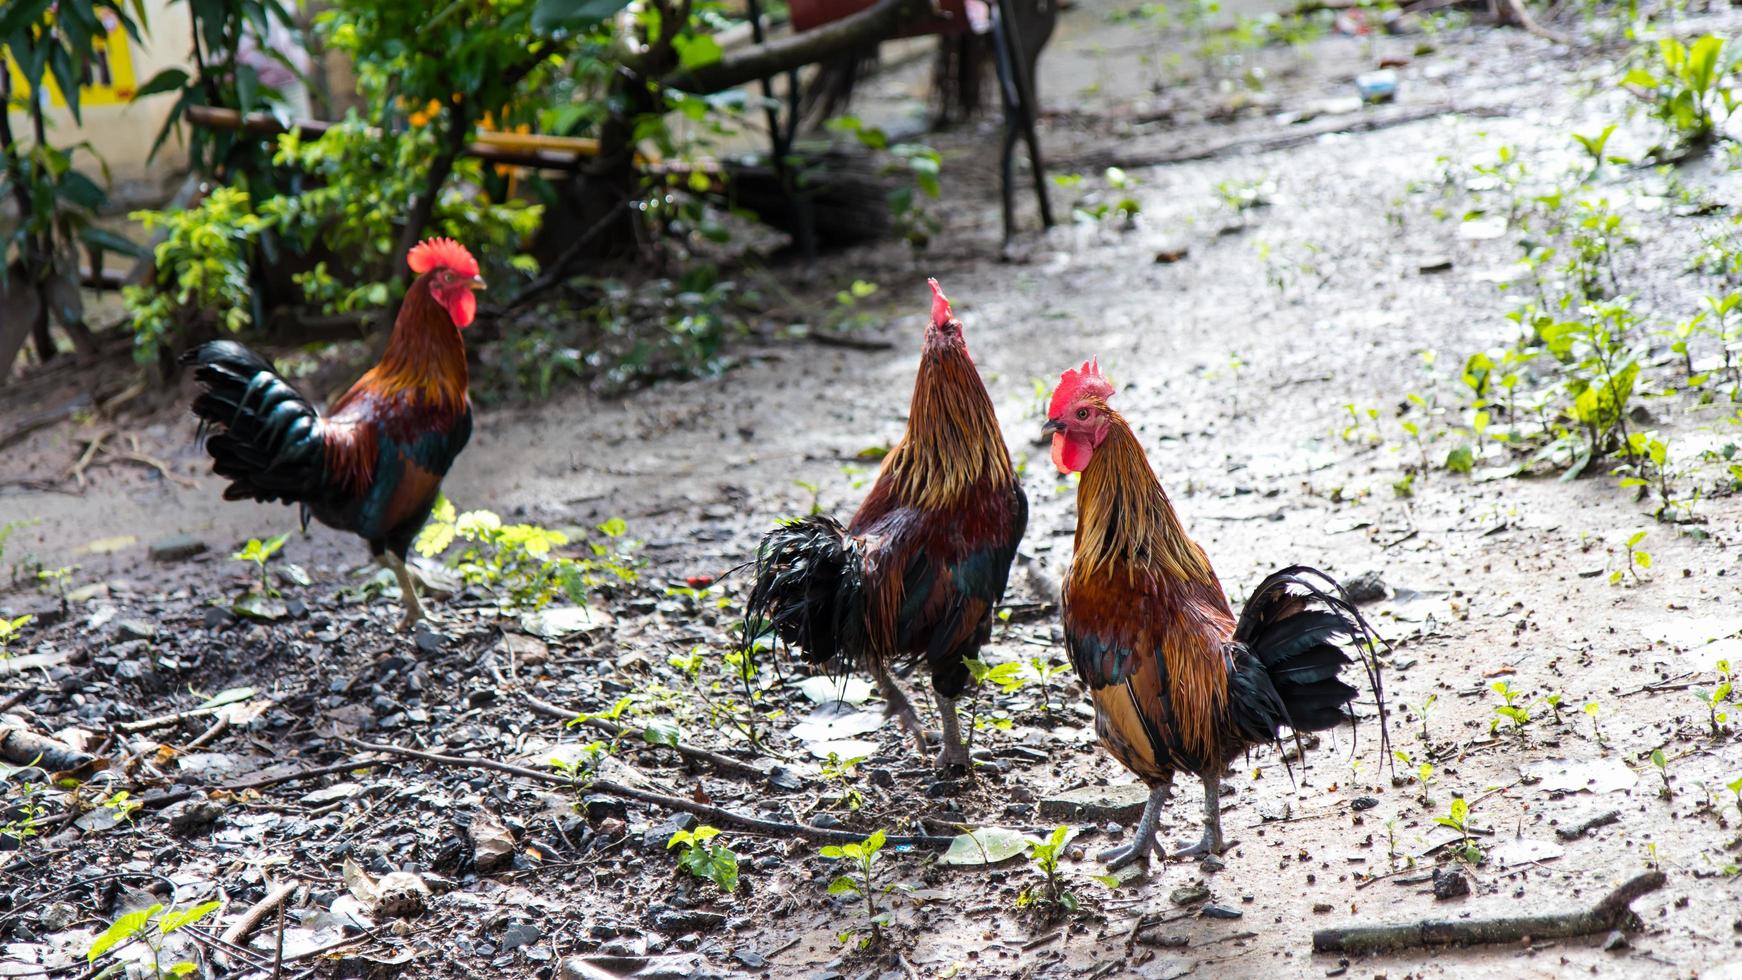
<point>694,52</point>
<point>844,885</point>
<point>186,917</point>
<point>119,931</point>
<point>24,12</point>
<point>661,733</point>
<point>987,845</point>
<point>108,241</point>
<point>167,80</point>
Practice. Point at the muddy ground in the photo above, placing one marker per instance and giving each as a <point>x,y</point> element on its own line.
<point>1235,361</point>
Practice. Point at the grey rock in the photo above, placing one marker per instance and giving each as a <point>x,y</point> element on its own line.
<point>1450,883</point>
<point>677,921</point>
<point>781,778</point>
<point>520,934</point>
<point>191,816</point>
<point>1615,942</point>
<point>217,616</point>
<point>430,641</point>
<point>1187,894</point>
<point>1360,803</point>
<point>1097,804</point>
<point>1366,587</point>
<point>178,547</point>
<point>135,629</point>
<point>1220,912</point>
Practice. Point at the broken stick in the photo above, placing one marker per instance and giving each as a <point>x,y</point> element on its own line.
<point>724,763</point>
<point>708,813</point>
<point>1610,913</point>
<point>19,747</point>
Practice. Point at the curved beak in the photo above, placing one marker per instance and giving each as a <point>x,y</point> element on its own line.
<point>1051,426</point>
<point>476,284</point>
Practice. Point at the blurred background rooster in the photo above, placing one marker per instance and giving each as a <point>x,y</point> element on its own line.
<point>374,465</point>
<point>1177,682</point>
<point>916,575</point>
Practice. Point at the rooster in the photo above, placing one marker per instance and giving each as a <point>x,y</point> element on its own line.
<point>917,573</point>
<point>1177,682</point>
<point>373,465</point>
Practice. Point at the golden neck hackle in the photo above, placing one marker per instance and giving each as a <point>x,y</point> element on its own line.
<point>1125,519</point>
<point>425,354</point>
<point>953,443</point>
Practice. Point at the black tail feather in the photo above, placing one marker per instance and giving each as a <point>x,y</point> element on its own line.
<point>262,434</point>
<point>1302,628</point>
<point>809,590</point>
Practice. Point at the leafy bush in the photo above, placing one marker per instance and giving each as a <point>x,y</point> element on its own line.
<point>1688,86</point>
<point>519,562</point>
<point>710,862</point>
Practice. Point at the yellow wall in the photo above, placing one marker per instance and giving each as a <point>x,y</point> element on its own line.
<point>118,129</point>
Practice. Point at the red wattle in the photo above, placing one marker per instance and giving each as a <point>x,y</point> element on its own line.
<point>464,308</point>
<point>1070,455</point>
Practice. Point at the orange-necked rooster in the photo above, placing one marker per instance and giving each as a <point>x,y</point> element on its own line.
<point>1177,682</point>
<point>917,573</point>
<point>373,465</point>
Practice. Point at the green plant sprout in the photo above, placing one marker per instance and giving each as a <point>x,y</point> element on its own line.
<point>259,552</point>
<point>1591,709</point>
<point>861,880</point>
<point>1636,559</point>
<point>710,862</point>
<point>1458,818</point>
<point>28,810</point>
<point>1422,711</point>
<point>136,925</point>
<point>1554,707</point>
<point>519,563</point>
<point>1716,698</point>
<point>1735,786</point>
<point>842,772</point>
<point>1660,762</point>
<point>1513,710</point>
<point>1043,673</point>
<point>1051,892</point>
<point>10,630</point>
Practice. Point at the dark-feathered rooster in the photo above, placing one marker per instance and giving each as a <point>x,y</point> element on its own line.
<point>917,573</point>
<point>1177,682</point>
<point>374,465</point>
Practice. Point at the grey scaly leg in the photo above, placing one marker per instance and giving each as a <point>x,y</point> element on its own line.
<point>1211,842</point>
<point>407,590</point>
<point>900,707</point>
<point>954,754</point>
<point>1143,843</point>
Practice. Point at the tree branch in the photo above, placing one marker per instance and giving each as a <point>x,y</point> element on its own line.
<point>1610,913</point>
<point>875,23</point>
<point>713,815</point>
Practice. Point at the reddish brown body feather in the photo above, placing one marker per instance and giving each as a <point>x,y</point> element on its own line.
<point>1147,621</point>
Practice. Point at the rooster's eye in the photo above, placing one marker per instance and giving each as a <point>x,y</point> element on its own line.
<point>1082,413</point>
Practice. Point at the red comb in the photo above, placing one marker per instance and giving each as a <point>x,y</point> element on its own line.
<point>432,253</point>
<point>940,306</point>
<point>1076,382</point>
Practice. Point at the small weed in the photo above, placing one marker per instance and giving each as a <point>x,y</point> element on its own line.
<point>519,562</point>
<point>137,925</point>
<point>1716,698</point>
<point>1422,710</point>
<point>1636,560</point>
<point>1458,818</point>
<point>1516,708</point>
<point>1591,709</point>
<point>1051,892</point>
<point>10,630</point>
<point>1687,87</point>
<point>841,773</point>
<point>28,810</point>
<point>1660,762</point>
<point>259,552</point>
<point>1554,706</point>
<point>710,862</point>
<point>861,880</point>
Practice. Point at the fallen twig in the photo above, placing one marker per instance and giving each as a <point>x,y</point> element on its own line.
<point>712,814</point>
<point>238,933</point>
<point>724,763</point>
<point>850,342</point>
<point>24,748</point>
<point>1297,136</point>
<point>1579,829</point>
<point>1612,912</point>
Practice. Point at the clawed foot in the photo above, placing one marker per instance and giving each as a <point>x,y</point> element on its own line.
<point>1207,844</point>
<point>1140,848</point>
<point>953,760</point>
